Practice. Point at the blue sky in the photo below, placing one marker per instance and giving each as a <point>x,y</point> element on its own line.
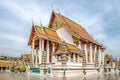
<point>100,18</point>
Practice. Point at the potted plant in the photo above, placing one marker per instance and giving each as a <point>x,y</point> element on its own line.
<point>105,70</point>
<point>109,69</point>
<point>84,72</point>
<point>22,69</point>
<point>12,68</point>
<point>98,70</point>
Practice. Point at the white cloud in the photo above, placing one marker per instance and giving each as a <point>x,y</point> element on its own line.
<point>13,38</point>
<point>27,12</point>
<point>112,45</point>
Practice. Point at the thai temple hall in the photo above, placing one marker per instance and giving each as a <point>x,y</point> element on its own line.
<point>81,49</point>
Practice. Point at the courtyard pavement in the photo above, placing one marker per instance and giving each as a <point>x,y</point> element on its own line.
<point>26,76</point>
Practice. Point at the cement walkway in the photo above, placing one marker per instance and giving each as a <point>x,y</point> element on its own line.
<point>25,76</point>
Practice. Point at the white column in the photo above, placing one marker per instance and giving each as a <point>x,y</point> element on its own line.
<point>95,51</point>
<point>32,51</point>
<point>53,57</point>
<point>1,69</point>
<point>40,51</point>
<point>48,51</point>
<point>86,52</point>
<point>42,45</point>
<point>36,58</point>
<point>99,56</point>
<point>69,56</point>
<point>78,59</point>
<point>42,48</point>
<point>102,57</point>
<point>36,61</point>
<point>91,61</point>
<point>73,57</point>
<point>79,45</point>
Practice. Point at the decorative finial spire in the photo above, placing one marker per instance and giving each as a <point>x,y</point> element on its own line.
<point>32,22</point>
<point>40,23</point>
<point>52,8</point>
<point>59,11</point>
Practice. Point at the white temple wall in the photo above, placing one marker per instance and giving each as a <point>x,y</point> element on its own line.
<point>65,35</point>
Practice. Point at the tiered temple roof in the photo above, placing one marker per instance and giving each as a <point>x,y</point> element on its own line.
<point>70,49</point>
<point>74,28</point>
<point>109,58</point>
<point>50,33</point>
<point>44,33</point>
<point>6,63</point>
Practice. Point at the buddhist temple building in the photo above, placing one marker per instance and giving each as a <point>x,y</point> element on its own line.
<point>79,44</point>
<point>109,61</point>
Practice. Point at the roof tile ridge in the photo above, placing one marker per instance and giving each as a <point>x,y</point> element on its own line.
<point>72,21</point>
<point>50,29</point>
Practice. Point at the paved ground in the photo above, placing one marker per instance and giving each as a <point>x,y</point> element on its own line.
<point>25,76</point>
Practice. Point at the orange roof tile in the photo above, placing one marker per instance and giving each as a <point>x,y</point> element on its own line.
<point>70,49</point>
<point>47,33</point>
<point>51,32</point>
<point>39,30</point>
<point>109,58</point>
<point>6,63</point>
<point>76,29</point>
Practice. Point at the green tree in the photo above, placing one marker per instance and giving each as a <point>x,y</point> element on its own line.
<point>22,69</point>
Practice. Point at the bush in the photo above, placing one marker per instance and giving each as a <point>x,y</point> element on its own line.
<point>98,69</point>
<point>45,71</point>
<point>84,71</point>
<point>12,68</point>
<point>109,69</point>
<point>22,69</point>
<point>119,69</point>
<point>115,69</point>
<point>105,69</point>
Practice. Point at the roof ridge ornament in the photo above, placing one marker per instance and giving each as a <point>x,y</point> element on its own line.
<point>32,22</point>
<point>41,23</point>
<point>59,11</point>
<point>52,8</point>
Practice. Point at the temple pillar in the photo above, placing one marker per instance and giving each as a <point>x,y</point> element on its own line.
<point>73,57</point>
<point>78,58</point>
<point>1,69</point>
<point>53,49</point>
<point>42,45</point>
<point>99,59</point>
<point>69,57</point>
<point>95,51</point>
<point>86,52</point>
<point>79,45</point>
<point>40,51</point>
<point>55,58</point>
<point>91,61</point>
<point>102,57</point>
<point>36,57</point>
<point>47,48</point>
<point>32,51</point>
